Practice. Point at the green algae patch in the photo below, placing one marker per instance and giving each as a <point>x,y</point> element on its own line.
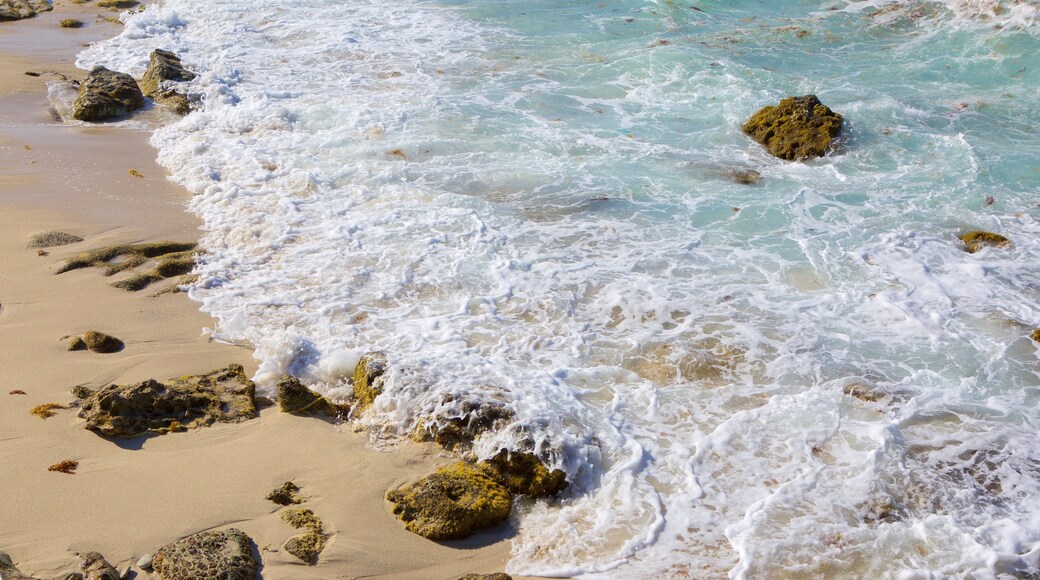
<point>368,378</point>
<point>795,129</point>
<point>452,502</point>
<point>977,239</point>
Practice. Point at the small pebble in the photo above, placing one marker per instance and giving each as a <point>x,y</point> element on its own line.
<point>145,563</point>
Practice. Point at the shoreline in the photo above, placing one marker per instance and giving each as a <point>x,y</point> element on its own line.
<point>126,501</point>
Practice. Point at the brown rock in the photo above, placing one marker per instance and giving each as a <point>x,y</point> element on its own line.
<point>225,554</point>
<point>797,128</point>
<point>106,94</point>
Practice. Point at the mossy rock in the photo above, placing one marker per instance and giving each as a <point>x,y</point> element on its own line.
<point>294,397</point>
<point>152,407</point>
<point>523,473</point>
<point>106,94</point>
<point>101,342</point>
<point>18,9</point>
<point>459,432</point>
<point>175,264</point>
<point>864,393</point>
<point>117,4</point>
<point>308,546</point>
<point>225,554</point>
<point>120,257</point>
<point>95,567</point>
<point>163,67</point>
<point>8,571</point>
<point>452,502</point>
<point>368,378</point>
<point>493,576</point>
<point>77,343</point>
<point>1036,335</point>
<point>286,494</point>
<point>977,239</point>
<point>136,282</point>
<point>53,238</point>
<point>71,23</point>
<point>795,129</point>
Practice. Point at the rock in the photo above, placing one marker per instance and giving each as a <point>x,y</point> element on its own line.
<point>8,571</point>
<point>71,23</point>
<point>745,176</point>
<point>452,502</point>
<point>117,4</point>
<point>797,128</point>
<point>864,393</point>
<point>308,546</point>
<point>1036,335</point>
<point>82,391</point>
<point>459,432</point>
<point>297,399</point>
<point>286,494</point>
<point>106,94</point>
<point>121,257</point>
<point>101,342</point>
<point>95,567</point>
<point>77,343</point>
<point>151,407</point>
<point>494,576</point>
<point>225,554</point>
<point>145,562</point>
<point>978,239</point>
<point>165,66</point>
<point>524,473</point>
<point>18,9</point>
<point>52,239</point>
<point>368,378</point>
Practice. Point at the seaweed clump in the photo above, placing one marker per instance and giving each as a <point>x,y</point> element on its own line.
<point>795,129</point>
<point>67,466</point>
<point>977,239</point>
<point>46,410</point>
<point>308,546</point>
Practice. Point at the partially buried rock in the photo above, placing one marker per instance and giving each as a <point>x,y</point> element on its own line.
<point>165,67</point>
<point>95,567</point>
<point>452,502</point>
<point>52,239</point>
<point>297,399</point>
<point>286,494</point>
<point>978,239</point>
<point>494,576</point>
<point>306,547</point>
<point>152,407</point>
<point>77,343</point>
<point>101,342</point>
<point>18,9</point>
<point>797,128</point>
<point>106,94</point>
<point>225,555</point>
<point>368,378</point>
<point>8,571</point>
<point>71,23</point>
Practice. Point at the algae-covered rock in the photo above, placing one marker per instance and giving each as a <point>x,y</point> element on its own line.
<point>53,238</point>
<point>101,342</point>
<point>117,4</point>
<point>368,378</point>
<point>8,571</point>
<point>286,494</point>
<point>452,502</point>
<point>1036,335</point>
<point>797,128</point>
<point>493,576</point>
<point>459,432</point>
<point>152,407</point>
<point>524,473</point>
<point>18,9</point>
<point>77,343</point>
<point>297,399</point>
<point>163,67</point>
<point>977,239</point>
<point>308,546</point>
<point>106,94</point>
<point>120,257</point>
<point>224,555</point>
<point>95,567</point>
<point>71,23</point>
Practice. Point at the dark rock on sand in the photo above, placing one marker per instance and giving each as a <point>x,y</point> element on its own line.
<point>286,494</point>
<point>452,502</point>
<point>106,94</point>
<point>95,567</point>
<point>82,391</point>
<point>52,239</point>
<point>494,576</point>
<point>368,378</point>
<point>151,407</point>
<point>978,239</point>
<point>225,554</point>
<point>165,66</point>
<point>101,342</point>
<point>297,399</point>
<point>77,343</point>
<point>18,9</point>
<point>308,546</point>
<point>797,128</point>
<point>8,571</point>
<point>71,23</point>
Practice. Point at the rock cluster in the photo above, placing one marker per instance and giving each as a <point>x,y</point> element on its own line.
<point>165,67</point>
<point>225,554</point>
<point>106,94</point>
<point>152,407</point>
<point>795,129</point>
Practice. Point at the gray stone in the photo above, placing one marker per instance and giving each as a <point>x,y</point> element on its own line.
<point>106,94</point>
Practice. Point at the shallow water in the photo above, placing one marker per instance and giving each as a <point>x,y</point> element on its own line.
<point>541,205</point>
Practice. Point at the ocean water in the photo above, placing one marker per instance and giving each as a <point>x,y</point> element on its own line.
<point>538,203</point>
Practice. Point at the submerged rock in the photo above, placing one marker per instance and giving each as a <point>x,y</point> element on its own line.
<point>95,567</point>
<point>459,432</point>
<point>1036,335</point>
<point>452,502</point>
<point>18,9</point>
<point>978,239</point>
<point>368,378</point>
<point>8,571</point>
<point>797,128</point>
<point>151,407</point>
<point>166,66</point>
<point>225,554</point>
<point>53,238</point>
<point>297,399</point>
<point>106,94</point>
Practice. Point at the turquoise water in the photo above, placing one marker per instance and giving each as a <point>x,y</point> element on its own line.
<point>538,205</point>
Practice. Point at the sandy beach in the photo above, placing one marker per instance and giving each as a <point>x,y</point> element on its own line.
<point>127,499</point>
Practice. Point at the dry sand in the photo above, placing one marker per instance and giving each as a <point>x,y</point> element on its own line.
<point>127,500</point>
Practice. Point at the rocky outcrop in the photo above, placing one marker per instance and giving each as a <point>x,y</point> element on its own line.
<point>978,239</point>
<point>8,571</point>
<point>795,129</point>
<point>452,502</point>
<point>18,9</point>
<point>368,378</point>
<point>164,67</point>
<point>152,407</point>
<point>523,473</point>
<point>297,399</point>
<point>95,567</point>
<point>460,431</point>
<point>106,94</point>
<point>225,554</point>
